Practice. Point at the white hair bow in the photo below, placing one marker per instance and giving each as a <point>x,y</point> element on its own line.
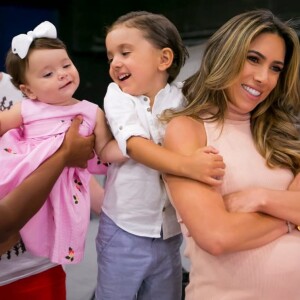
<point>21,43</point>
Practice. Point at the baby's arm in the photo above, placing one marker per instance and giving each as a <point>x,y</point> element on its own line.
<point>112,153</point>
<point>11,118</point>
<point>96,195</point>
<point>203,165</point>
<point>106,148</point>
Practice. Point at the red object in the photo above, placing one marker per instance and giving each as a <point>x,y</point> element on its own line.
<point>47,285</point>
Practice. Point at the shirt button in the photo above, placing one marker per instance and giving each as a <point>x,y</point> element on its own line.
<point>120,127</point>
<point>163,209</point>
<point>145,99</point>
<point>149,109</point>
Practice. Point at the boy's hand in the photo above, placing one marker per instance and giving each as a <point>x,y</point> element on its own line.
<point>206,165</point>
<point>77,149</point>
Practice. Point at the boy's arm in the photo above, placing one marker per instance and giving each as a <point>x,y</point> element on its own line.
<point>135,142</point>
<point>203,165</point>
<point>26,199</point>
<point>11,118</point>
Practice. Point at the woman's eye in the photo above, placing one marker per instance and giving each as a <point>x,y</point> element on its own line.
<point>253,58</point>
<point>67,66</point>
<point>277,69</point>
<point>125,53</point>
<point>109,60</point>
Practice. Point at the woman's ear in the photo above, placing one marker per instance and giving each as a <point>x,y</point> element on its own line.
<point>27,91</point>
<point>166,59</point>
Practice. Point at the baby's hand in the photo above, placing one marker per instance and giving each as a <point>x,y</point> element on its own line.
<point>207,165</point>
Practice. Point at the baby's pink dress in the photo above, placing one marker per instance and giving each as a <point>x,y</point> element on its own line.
<point>271,272</point>
<point>59,228</point>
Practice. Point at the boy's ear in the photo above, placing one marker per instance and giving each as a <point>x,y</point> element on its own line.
<point>166,58</point>
<point>27,91</point>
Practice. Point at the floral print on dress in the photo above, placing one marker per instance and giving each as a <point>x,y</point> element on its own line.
<point>71,254</point>
<point>99,162</point>
<point>75,199</point>
<point>9,150</point>
<point>78,184</point>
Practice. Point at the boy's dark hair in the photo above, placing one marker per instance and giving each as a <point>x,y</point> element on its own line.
<point>161,32</point>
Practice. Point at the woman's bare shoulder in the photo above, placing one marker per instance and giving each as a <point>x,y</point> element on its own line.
<point>185,131</point>
<point>184,124</point>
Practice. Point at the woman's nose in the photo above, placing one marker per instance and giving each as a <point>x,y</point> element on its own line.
<point>261,74</point>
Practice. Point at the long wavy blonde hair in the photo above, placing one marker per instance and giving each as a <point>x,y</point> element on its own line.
<point>273,121</point>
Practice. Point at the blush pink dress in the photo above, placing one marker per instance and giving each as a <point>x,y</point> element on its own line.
<point>271,272</point>
<point>59,228</point>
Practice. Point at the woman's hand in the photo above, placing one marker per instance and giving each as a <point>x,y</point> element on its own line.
<point>77,149</point>
<point>248,200</point>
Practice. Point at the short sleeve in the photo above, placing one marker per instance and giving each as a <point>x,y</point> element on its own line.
<point>121,113</point>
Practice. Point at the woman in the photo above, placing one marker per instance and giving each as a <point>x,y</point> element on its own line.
<point>244,100</point>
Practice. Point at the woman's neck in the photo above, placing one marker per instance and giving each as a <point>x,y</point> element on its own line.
<point>233,113</point>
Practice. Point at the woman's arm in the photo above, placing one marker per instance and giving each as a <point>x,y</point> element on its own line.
<point>202,208</point>
<point>283,204</point>
<point>27,198</point>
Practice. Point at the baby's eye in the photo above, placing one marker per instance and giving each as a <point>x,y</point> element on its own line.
<point>125,53</point>
<point>47,75</point>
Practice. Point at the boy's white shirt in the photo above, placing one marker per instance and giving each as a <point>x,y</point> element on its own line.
<point>135,196</point>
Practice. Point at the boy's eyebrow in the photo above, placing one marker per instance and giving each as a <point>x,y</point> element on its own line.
<point>263,57</point>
